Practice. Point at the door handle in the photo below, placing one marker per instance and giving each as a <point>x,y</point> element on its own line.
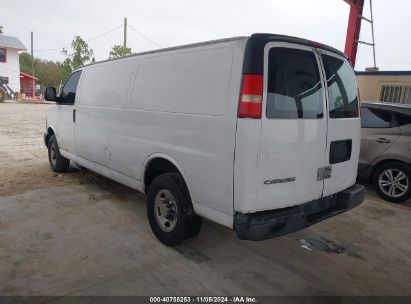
<point>383,141</point>
<point>74,115</point>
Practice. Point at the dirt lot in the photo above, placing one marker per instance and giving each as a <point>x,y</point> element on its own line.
<point>81,234</point>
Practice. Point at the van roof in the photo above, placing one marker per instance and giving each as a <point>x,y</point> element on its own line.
<point>254,53</point>
<point>171,49</point>
<point>253,60</point>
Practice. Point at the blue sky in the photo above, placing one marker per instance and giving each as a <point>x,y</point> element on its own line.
<point>170,23</point>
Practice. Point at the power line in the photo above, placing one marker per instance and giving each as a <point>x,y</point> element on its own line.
<point>144,36</point>
<point>88,40</point>
<point>106,33</point>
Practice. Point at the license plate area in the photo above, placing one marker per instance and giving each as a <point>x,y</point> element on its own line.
<point>324,173</point>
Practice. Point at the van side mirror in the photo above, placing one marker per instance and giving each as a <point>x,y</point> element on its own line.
<point>50,94</point>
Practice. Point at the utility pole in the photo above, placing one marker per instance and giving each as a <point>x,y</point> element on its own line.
<point>32,67</point>
<point>125,37</point>
<point>32,55</point>
<point>372,33</point>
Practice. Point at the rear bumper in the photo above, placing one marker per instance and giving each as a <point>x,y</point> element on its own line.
<point>269,224</point>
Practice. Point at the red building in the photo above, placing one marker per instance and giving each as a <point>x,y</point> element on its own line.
<point>28,84</point>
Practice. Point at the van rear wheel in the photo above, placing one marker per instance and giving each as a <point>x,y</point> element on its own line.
<point>170,211</point>
<point>57,162</point>
<point>392,181</point>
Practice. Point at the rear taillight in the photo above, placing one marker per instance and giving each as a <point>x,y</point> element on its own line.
<point>251,98</point>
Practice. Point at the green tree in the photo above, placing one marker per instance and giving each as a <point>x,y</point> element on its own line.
<point>53,73</point>
<point>25,63</point>
<point>118,51</point>
<point>65,69</point>
<point>81,54</point>
<point>48,72</point>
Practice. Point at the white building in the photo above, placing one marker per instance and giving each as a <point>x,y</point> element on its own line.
<point>9,61</point>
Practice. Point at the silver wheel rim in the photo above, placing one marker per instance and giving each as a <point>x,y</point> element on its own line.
<point>53,153</point>
<point>165,210</point>
<point>393,182</point>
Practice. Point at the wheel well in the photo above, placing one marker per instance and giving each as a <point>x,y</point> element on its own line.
<point>155,168</point>
<point>49,133</point>
<point>385,161</point>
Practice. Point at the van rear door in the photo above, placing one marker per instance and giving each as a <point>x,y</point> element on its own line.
<point>344,124</point>
<point>294,127</point>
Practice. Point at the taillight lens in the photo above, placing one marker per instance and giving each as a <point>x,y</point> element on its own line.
<point>251,98</point>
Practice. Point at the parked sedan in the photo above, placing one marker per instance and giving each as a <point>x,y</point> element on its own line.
<point>385,156</point>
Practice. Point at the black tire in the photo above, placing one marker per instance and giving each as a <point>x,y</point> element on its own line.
<point>187,225</point>
<point>396,168</point>
<point>57,162</point>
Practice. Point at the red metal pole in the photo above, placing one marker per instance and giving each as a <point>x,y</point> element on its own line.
<point>353,30</point>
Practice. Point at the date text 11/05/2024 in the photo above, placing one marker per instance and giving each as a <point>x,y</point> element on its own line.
<point>234,299</point>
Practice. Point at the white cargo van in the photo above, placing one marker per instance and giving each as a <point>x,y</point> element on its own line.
<point>260,133</point>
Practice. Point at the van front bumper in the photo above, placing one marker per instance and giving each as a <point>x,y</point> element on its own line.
<point>269,224</point>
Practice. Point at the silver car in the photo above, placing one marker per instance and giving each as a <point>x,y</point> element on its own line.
<point>385,156</point>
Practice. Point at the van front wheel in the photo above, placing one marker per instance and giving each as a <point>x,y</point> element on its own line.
<point>57,162</point>
<point>170,211</point>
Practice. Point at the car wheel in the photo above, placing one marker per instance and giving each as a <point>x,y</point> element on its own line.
<point>392,181</point>
<point>57,162</point>
<point>170,211</point>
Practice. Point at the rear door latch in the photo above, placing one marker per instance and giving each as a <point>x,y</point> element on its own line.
<point>324,173</point>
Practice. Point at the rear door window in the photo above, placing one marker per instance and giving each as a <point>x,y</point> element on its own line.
<point>402,119</point>
<point>374,118</point>
<point>294,85</point>
<point>342,89</point>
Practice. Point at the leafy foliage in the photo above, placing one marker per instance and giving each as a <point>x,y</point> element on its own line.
<point>80,55</point>
<point>55,73</point>
<point>65,69</point>
<point>48,72</point>
<point>118,51</point>
<point>25,63</point>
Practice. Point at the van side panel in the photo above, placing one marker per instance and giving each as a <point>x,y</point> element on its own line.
<point>183,104</point>
<point>247,159</point>
<point>190,82</point>
<point>105,85</point>
<point>99,105</point>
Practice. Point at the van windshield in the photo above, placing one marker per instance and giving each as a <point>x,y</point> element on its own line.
<point>342,89</point>
<point>294,85</point>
